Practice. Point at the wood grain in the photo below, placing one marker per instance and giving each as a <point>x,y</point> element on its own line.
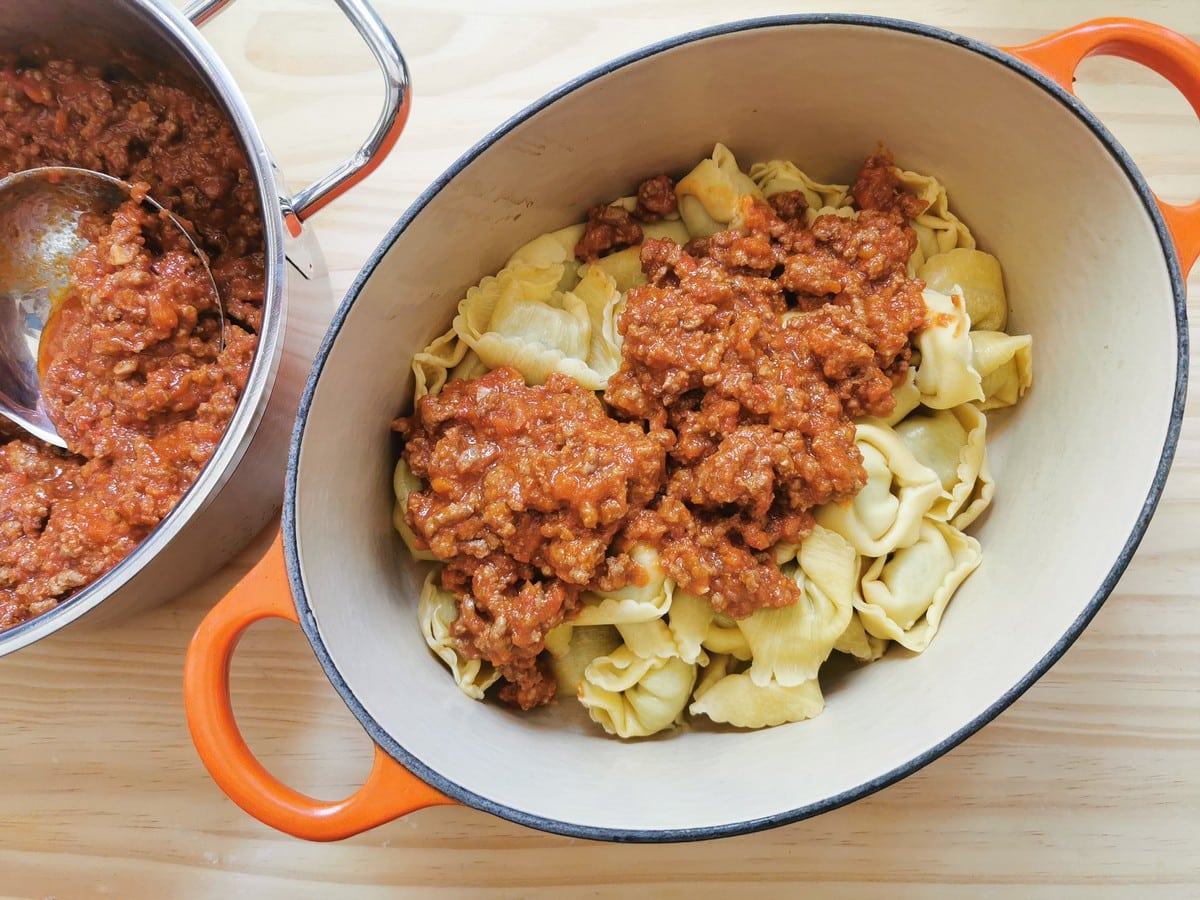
<point>1088,786</point>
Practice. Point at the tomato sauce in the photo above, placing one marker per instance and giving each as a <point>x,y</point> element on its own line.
<point>745,360</point>
<point>139,377</point>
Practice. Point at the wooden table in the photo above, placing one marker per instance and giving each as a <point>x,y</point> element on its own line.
<point>1089,786</point>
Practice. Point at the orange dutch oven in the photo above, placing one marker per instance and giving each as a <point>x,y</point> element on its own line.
<point>1094,267</point>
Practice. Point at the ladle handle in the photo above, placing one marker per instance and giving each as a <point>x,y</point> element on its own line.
<point>1166,52</point>
<point>389,791</point>
<point>383,136</point>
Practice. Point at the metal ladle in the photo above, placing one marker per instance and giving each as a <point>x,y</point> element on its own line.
<point>40,210</point>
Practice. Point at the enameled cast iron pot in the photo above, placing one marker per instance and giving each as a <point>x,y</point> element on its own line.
<point>241,488</point>
<point>1094,267</point>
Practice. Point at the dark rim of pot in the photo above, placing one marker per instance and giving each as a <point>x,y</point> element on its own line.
<point>573,829</point>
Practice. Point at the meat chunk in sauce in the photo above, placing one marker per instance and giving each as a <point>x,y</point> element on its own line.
<point>877,187</point>
<point>611,227</point>
<point>656,199</point>
<point>608,228</point>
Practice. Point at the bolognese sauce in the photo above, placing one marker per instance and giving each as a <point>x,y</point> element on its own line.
<point>138,375</point>
<point>745,359</point>
<point>528,487</point>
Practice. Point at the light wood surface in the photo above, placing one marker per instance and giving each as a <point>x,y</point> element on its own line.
<point>1088,786</point>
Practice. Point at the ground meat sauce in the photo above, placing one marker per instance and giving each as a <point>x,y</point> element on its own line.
<point>528,486</point>
<point>745,359</point>
<point>656,199</point>
<point>134,375</point>
<point>608,228</point>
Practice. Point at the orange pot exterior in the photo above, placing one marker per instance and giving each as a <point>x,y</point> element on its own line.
<point>1166,52</point>
<point>390,789</point>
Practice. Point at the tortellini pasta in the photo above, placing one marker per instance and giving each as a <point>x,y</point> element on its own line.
<point>433,365</point>
<point>878,568</point>
<point>946,375</point>
<point>1005,366</point>
<point>710,196</point>
<point>952,442</point>
<point>938,229</point>
<point>977,276</point>
<point>778,176</point>
<point>789,644</point>
<point>734,698</point>
<point>520,318</point>
<point>633,603</point>
<point>905,594</point>
<point>436,612</point>
<point>907,395</point>
<point>696,629</point>
<point>631,696</point>
<point>856,641</point>
<point>899,492</point>
<point>572,648</point>
<point>652,639</point>
<point>557,248</point>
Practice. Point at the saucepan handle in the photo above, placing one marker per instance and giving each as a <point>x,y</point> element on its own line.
<point>389,791</point>
<point>383,136</point>
<point>1167,52</point>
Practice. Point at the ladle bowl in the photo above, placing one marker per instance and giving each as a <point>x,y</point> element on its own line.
<point>40,214</point>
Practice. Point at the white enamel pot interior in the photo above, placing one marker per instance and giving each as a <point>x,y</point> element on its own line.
<point>1079,464</point>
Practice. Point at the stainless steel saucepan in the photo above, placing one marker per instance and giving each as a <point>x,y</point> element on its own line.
<point>241,487</point>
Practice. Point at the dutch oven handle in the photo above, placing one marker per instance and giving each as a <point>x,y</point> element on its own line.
<point>389,791</point>
<point>388,126</point>
<point>1167,52</point>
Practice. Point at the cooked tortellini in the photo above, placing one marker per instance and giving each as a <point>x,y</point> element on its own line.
<point>779,176</point>
<point>433,365</point>
<point>856,641</point>
<point>977,276</point>
<point>436,612</point>
<point>520,318</point>
<point>633,603</point>
<point>876,569</point>
<point>697,629</point>
<point>789,644</point>
<point>899,492</point>
<point>632,696</point>
<point>732,697</point>
<point>938,229</point>
<point>1005,366</point>
<point>907,395</point>
<point>572,648</point>
<point>952,442</point>
<point>946,375</point>
<point>905,593</point>
<point>557,248</point>
<point>710,196</point>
